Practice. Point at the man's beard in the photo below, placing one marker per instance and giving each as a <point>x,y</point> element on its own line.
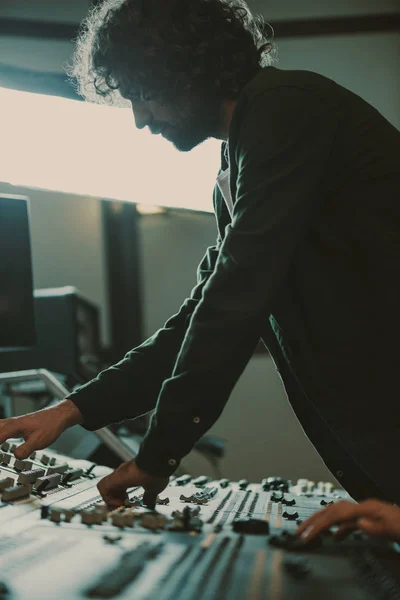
<point>201,120</point>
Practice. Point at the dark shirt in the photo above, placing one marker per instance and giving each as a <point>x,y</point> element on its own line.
<point>309,262</point>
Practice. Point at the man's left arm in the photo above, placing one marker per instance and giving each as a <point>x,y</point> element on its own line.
<point>282,152</point>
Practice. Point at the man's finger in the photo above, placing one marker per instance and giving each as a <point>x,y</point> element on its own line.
<point>337,514</point>
<point>344,530</point>
<point>10,430</point>
<point>150,498</point>
<point>373,527</point>
<point>24,450</point>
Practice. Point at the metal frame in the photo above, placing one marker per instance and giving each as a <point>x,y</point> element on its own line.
<point>60,391</point>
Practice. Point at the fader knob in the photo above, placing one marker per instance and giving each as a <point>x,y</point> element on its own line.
<point>251,526</point>
<point>22,465</point>
<point>224,483</point>
<point>55,515</point>
<point>201,481</point>
<point>5,446</point>
<point>326,502</point>
<point>69,514</point>
<point>276,497</point>
<point>30,476</point>
<point>290,516</point>
<point>183,480</point>
<point>57,469</point>
<point>71,475</point>
<point>289,502</point>
<point>243,483</point>
<point>329,487</point>
<point>48,482</point>
<point>15,493</point>
<point>6,483</point>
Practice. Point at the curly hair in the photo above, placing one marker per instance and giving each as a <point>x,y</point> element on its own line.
<point>142,49</point>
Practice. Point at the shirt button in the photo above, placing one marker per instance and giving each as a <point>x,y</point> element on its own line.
<point>196,420</point>
<point>339,473</point>
<point>172,462</point>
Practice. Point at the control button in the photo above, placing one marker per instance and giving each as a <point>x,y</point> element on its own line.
<point>276,483</point>
<point>68,514</point>
<point>183,480</point>
<point>33,455</point>
<point>48,482</point>
<point>224,483</point>
<point>288,502</point>
<point>6,483</point>
<point>57,469</point>
<point>118,520</point>
<point>91,517</point>
<point>251,526</point>
<point>172,462</point>
<point>243,483</point>
<point>201,481</point>
<point>30,476</point>
<point>196,420</point>
<point>71,475</point>
<point>153,521</point>
<point>55,515</point>
<point>44,512</point>
<point>326,502</point>
<point>52,461</point>
<point>5,459</point>
<point>297,567</point>
<point>45,459</point>
<point>16,492</point>
<point>276,497</point>
<point>5,446</point>
<point>290,516</point>
<point>329,487</point>
<point>22,465</point>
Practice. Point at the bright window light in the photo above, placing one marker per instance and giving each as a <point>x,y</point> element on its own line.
<point>80,148</point>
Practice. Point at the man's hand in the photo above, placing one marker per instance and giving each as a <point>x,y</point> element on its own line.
<point>113,488</point>
<point>40,429</point>
<point>378,519</point>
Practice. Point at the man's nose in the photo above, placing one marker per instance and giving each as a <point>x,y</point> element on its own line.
<point>141,115</point>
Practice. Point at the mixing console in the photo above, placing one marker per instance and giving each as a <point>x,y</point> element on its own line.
<point>207,540</point>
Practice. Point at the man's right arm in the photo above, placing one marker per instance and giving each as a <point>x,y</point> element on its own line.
<point>124,391</point>
<point>131,387</point>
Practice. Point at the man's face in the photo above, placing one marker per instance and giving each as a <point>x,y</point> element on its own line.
<point>186,124</point>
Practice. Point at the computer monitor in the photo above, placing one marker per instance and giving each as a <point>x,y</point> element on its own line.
<point>17,321</point>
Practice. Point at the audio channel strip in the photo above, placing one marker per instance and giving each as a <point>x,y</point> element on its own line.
<point>206,540</point>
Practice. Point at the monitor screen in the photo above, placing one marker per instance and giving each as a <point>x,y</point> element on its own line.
<point>17,322</point>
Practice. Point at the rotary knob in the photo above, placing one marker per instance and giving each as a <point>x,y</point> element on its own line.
<point>290,516</point>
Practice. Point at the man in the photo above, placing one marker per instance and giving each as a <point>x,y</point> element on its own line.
<point>307,254</point>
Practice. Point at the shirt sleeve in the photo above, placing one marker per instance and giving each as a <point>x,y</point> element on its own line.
<point>131,387</point>
<point>282,153</point>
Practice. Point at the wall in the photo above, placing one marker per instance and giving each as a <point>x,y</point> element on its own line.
<point>67,244</point>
